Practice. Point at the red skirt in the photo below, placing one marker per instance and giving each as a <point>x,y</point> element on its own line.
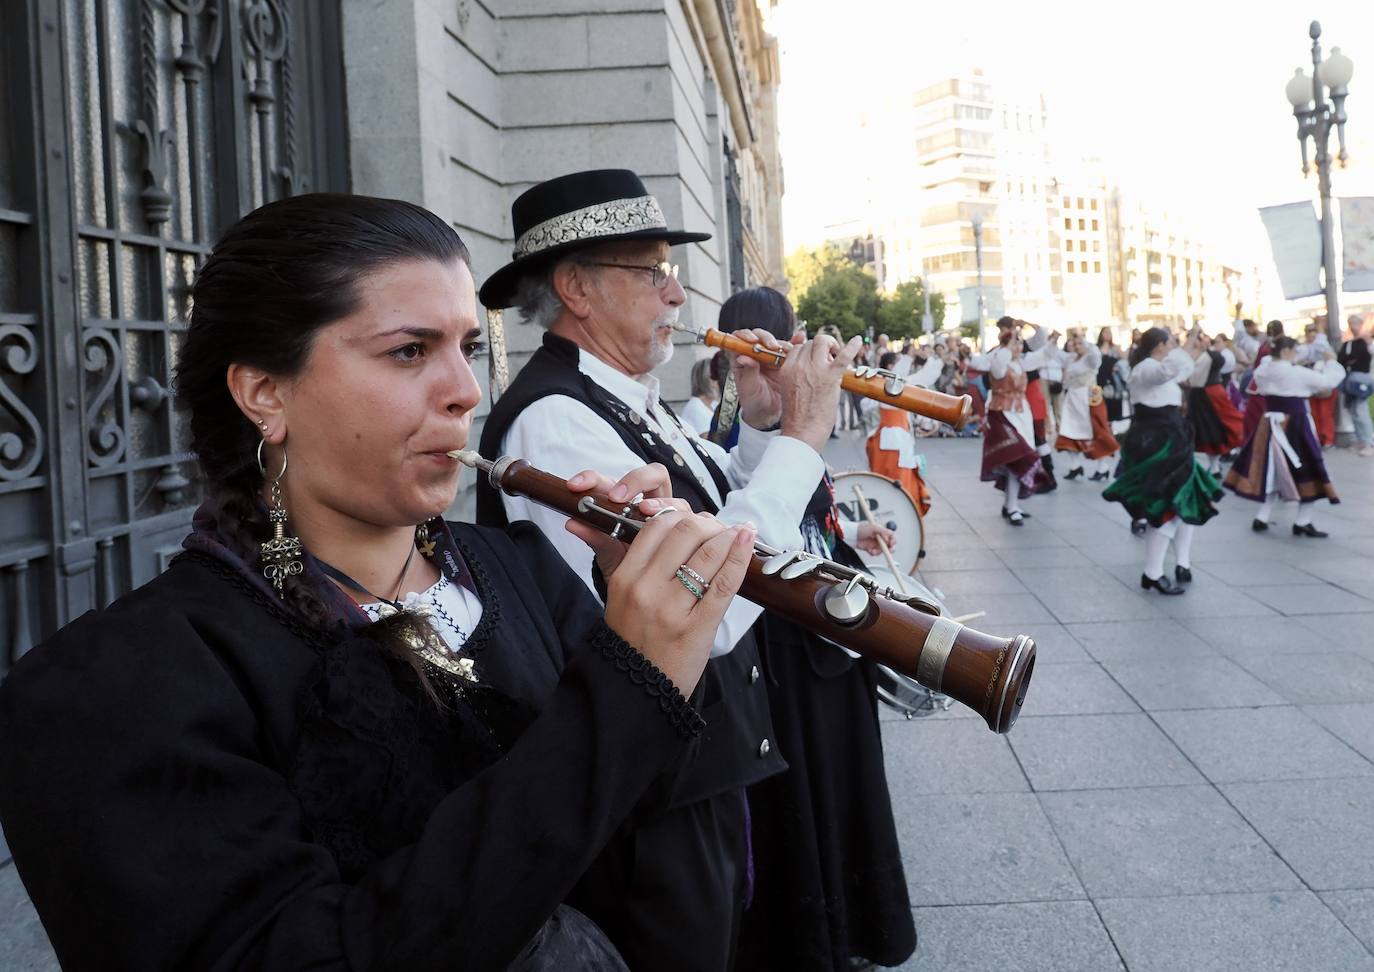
<point>1228,427</point>
<point>1324,416</point>
<point>1101,445</point>
<point>884,461</point>
<point>1004,450</point>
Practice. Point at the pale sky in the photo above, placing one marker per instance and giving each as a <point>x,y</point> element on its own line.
<point>1182,99</point>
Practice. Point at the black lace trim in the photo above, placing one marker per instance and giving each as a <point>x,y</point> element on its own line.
<point>680,712</point>
<point>491,604</point>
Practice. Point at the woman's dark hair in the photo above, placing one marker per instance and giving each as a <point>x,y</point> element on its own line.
<point>1149,340</point>
<point>758,307</point>
<point>1274,329</point>
<point>1281,344</point>
<point>272,282</point>
<point>1105,334</point>
<point>887,359</point>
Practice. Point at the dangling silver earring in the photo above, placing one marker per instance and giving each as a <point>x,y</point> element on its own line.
<point>280,554</point>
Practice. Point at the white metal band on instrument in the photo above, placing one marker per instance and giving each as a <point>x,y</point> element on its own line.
<point>930,667</point>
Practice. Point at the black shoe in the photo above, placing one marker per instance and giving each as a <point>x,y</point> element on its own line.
<point>1161,584</point>
<point>1184,575</point>
<point>1007,516</point>
<point>1016,519</point>
<point>1138,527</point>
<point>1074,473</point>
<point>1308,530</point>
<point>1097,477</point>
<point>1259,526</point>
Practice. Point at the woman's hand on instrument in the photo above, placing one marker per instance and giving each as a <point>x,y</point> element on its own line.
<point>650,483</point>
<point>811,378</point>
<point>678,577</point>
<point>872,537</point>
<point>759,386</point>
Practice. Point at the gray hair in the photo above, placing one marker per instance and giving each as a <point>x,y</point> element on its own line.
<point>536,300</point>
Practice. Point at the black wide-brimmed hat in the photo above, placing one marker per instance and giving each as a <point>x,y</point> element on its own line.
<point>573,212</point>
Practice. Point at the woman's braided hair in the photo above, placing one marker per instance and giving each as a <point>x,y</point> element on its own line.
<point>272,282</point>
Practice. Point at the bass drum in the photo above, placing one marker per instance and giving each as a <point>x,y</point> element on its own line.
<point>901,692</point>
<point>891,507</point>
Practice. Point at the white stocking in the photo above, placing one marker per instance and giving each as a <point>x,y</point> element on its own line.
<point>1305,511</point>
<point>1183,545</point>
<point>1156,546</point>
<point>1011,502</point>
<point>1266,509</point>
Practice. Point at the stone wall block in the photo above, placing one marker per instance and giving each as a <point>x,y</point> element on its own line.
<point>586,97</point>
<point>627,39</point>
<point>545,44</point>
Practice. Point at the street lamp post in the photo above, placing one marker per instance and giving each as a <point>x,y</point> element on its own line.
<point>1315,119</point>
<point>978,259</point>
<point>927,318</point>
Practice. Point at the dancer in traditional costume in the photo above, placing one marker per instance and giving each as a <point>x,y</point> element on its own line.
<point>1010,459</point>
<point>1283,459</point>
<point>1084,429</point>
<point>1218,427</point>
<point>1111,378</point>
<point>892,447</point>
<point>1160,482</point>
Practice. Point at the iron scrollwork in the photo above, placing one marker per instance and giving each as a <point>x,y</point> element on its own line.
<point>102,356</point>
<point>157,142</point>
<point>22,451</point>
<point>265,30</point>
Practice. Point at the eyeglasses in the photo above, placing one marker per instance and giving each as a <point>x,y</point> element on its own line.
<point>661,271</point>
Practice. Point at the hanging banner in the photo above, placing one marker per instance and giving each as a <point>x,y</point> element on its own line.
<point>1296,240</point>
<point>1357,232</point>
<point>968,304</point>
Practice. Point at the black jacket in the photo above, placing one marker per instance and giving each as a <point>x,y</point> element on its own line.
<point>188,780</point>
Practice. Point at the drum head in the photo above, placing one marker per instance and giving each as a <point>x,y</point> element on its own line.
<point>891,507</point>
<point>901,692</point>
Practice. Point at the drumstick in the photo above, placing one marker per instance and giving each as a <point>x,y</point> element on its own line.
<point>882,544</point>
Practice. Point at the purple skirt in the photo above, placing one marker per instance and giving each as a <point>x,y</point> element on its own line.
<point>1282,456</point>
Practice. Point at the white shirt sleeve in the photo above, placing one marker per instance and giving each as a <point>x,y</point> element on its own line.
<point>1031,360</point>
<point>997,362</point>
<point>1247,344</point>
<point>1157,371</point>
<point>563,436</point>
<point>1037,339</point>
<point>1228,361</point>
<point>1201,369</point>
<point>926,375</point>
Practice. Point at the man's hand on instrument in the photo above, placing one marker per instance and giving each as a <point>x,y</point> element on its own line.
<point>651,483</point>
<point>872,536</point>
<point>811,378</point>
<point>679,576</point>
<point>759,386</point>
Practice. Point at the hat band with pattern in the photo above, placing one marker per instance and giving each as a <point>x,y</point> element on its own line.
<point>612,218</point>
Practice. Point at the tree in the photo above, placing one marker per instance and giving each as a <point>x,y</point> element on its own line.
<point>901,312</point>
<point>842,295</point>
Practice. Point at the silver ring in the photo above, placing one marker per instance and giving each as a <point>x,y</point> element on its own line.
<point>687,582</point>
<point>706,585</point>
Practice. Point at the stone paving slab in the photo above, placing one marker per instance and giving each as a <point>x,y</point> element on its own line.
<point>1314,598</point>
<point>23,943</point>
<point>1066,936</point>
<point>955,756</point>
<point>1074,689</point>
<point>1093,752</point>
<point>1355,909</point>
<point>1352,722</point>
<point>983,848</point>
<point>1259,744</point>
<point>1053,644</point>
<point>1313,678</point>
<point>1163,841</point>
<point>1203,682</point>
<point>1277,931</point>
<point>1324,829</point>
<point>1164,639</point>
<point>1248,636</point>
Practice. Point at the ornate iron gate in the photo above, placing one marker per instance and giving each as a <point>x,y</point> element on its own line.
<point>131,133</point>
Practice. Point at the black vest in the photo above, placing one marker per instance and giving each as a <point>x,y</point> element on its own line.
<point>734,699</point>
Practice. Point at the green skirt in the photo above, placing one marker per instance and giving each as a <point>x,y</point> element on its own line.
<point>1158,478</point>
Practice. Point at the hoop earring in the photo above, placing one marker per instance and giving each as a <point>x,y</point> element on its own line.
<point>281,554</point>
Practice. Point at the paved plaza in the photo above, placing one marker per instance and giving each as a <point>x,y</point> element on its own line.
<point>1191,785</point>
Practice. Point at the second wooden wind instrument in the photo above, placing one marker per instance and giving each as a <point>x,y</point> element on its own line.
<point>987,673</point>
<point>882,386</point>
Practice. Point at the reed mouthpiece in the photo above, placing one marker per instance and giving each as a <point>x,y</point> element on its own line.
<point>470,458</point>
